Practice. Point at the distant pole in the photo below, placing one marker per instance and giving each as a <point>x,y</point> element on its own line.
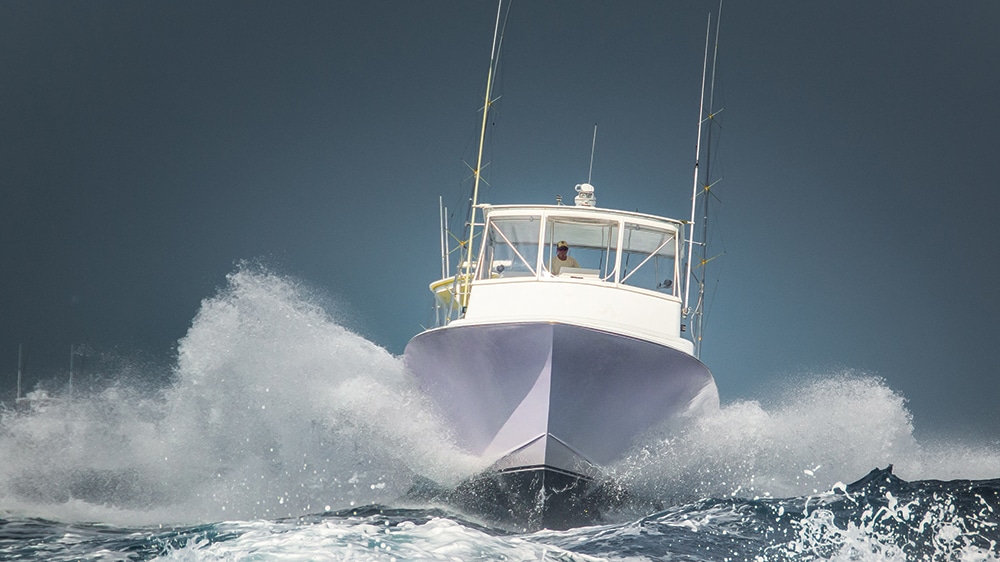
<point>71,369</point>
<point>447,255</point>
<point>19,363</point>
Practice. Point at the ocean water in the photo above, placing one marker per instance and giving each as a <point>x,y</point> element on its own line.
<point>284,436</point>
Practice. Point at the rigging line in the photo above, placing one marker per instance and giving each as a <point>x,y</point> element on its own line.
<point>503,30</point>
<point>707,184</point>
<point>710,119</point>
<point>707,312</point>
<point>715,61</point>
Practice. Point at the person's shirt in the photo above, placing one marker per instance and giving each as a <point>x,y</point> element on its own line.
<point>558,264</point>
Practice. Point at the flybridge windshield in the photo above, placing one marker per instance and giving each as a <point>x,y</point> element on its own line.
<point>598,247</point>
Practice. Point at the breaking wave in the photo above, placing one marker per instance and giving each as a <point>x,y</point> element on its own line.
<point>276,410</point>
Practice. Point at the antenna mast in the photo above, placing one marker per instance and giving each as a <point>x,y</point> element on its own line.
<point>444,244</point>
<point>593,145</point>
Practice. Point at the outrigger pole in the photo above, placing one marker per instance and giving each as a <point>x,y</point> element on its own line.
<point>479,157</point>
<point>694,189</point>
<point>696,313</point>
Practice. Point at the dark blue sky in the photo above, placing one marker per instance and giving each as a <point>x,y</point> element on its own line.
<point>146,148</point>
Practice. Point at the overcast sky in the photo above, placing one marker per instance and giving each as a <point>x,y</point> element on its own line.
<point>147,147</point>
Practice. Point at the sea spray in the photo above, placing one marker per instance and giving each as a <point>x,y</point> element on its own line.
<point>882,517</point>
<point>274,410</point>
<point>803,441</point>
<point>280,390</point>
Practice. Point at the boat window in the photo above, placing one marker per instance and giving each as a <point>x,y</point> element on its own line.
<point>593,244</point>
<point>511,247</point>
<point>649,259</point>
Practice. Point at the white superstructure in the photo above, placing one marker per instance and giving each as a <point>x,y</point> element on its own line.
<point>627,282</point>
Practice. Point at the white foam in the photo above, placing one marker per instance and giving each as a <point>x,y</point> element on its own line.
<point>365,539</point>
<point>275,410</point>
<point>820,431</point>
<point>880,531</point>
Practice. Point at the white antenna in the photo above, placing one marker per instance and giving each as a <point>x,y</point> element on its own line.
<point>592,146</point>
<point>444,246</point>
<point>447,255</point>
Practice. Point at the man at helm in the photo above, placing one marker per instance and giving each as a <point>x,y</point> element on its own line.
<point>562,259</point>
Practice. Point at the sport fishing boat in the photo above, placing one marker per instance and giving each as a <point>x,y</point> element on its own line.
<point>560,339</point>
